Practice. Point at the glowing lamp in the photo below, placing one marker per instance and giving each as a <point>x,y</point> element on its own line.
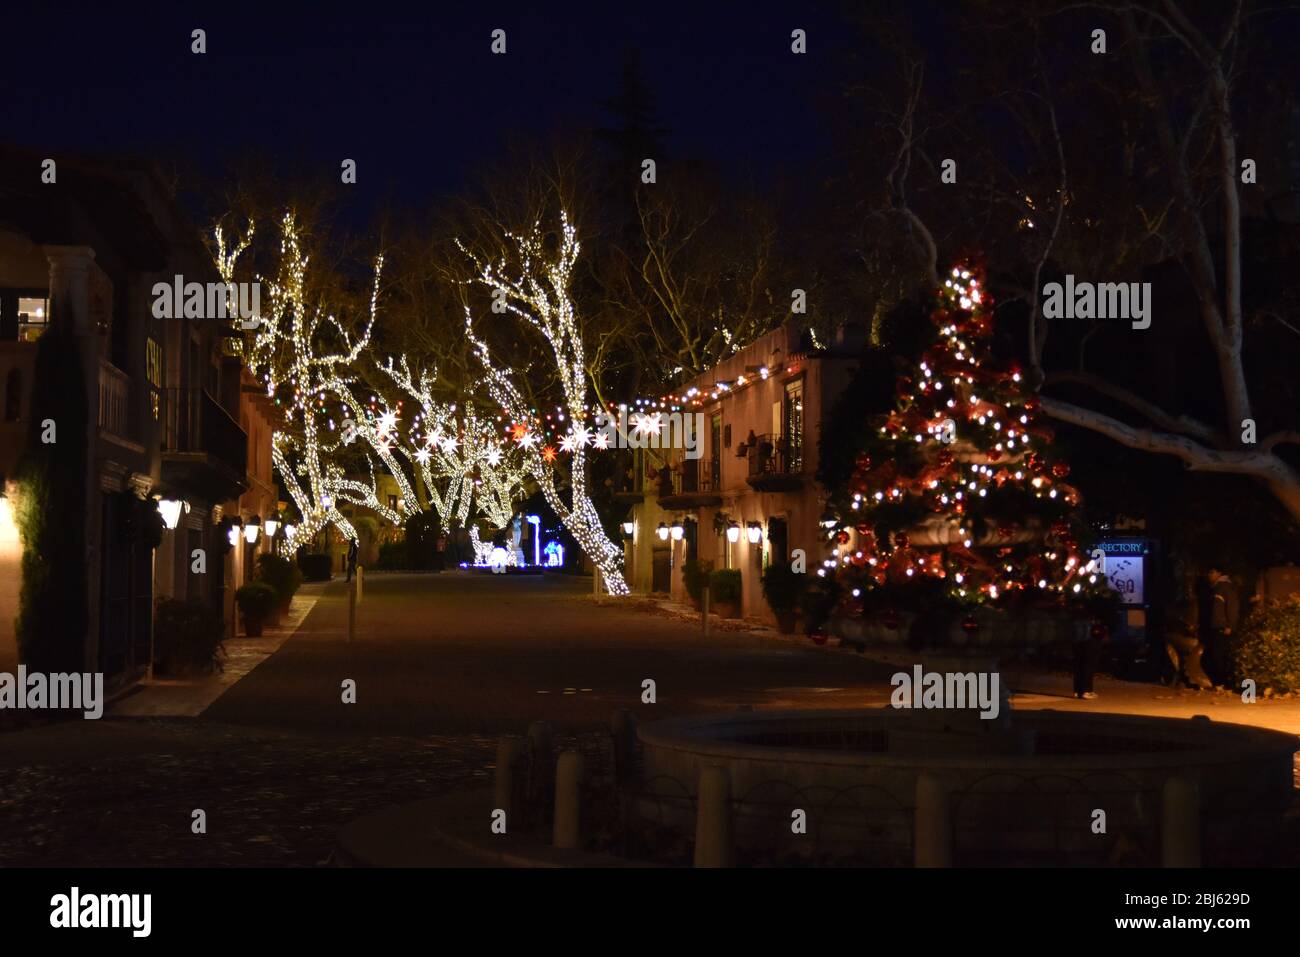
<point>755,533</point>
<point>273,524</point>
<point>252,529</point>
<point>170,510</point>
<point>678,531</point>
<point>662,532</point>
<point>628,528</point>
<point>733,532</point>
<point>235,531</point>
<point>289,530</point>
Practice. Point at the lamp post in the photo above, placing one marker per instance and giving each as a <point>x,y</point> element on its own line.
<point>536,522</point>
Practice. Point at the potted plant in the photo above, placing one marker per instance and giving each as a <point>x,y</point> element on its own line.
<point>783,588</point>
<point>725,591</point>
<point>695,575</point>
<point>187,638</point>
<point>256,602</point>
<point>282,575</point>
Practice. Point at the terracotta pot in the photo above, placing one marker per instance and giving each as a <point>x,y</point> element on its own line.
<point>252,627</point>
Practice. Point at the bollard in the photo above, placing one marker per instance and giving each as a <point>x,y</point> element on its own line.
<point>541,741</point>
<point>932,831</point>
<point>352,607</point>
<point>713,818</point>
<point>510,748</point>
<point>1180,824</point>
<point>623,730</point>
<point>361,581</point>
<point>568,801</point>
<point>704,603</point>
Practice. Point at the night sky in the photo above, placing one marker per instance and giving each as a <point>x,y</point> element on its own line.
<point>413,92</point>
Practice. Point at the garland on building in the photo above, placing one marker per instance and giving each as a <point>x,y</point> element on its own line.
<point>956,494</point>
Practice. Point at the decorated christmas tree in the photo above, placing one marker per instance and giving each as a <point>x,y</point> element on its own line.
<point>956,496</point>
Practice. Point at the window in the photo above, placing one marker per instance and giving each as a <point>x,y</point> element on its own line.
<point>153,372</point>
<point>33,316</point>
<point>793,426</point>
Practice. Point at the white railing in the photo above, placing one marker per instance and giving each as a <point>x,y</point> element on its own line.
<point>114,394</point>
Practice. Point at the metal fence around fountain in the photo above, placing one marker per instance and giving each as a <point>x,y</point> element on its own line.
<point>860,825</point>
<point>775,823</point>
<point>1008,819</point>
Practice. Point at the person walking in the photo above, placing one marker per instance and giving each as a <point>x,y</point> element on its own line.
<point>1223,611</point>
<point>1087,652</point>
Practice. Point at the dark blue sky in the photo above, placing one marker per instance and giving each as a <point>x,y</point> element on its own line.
<point>412,93</point>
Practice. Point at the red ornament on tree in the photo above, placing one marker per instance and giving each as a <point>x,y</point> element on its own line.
<point>1060,469</point>
<point>970,624</point>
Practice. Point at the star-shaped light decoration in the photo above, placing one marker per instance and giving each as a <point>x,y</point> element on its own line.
<point>548,453</point>
<point>519,431</point>
<point>422,456</point>
<point>494,456</point>
<point>601,441</point>
<point>649,424</point>
<point>449,444</point>
<point>388,421</point>
<point>569,443</point>
<point>528,441</point>
<point>581,435</point>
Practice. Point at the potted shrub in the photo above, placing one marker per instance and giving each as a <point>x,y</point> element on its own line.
<point>695,575</point>
<point>186,638</point>
<point>256,602</point>
<point>725,592</point>
<point>783,588</point>
<point>282,575</point>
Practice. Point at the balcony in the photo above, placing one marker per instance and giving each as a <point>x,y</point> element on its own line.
<point>114,400</point>
<point>775,464</point>
<point>628,484</point>
<point>697,483</point>
<point>204,451</point>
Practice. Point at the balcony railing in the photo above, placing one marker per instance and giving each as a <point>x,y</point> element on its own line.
<point>774,455</point>
<point>193,421</point>
<point>699,475</point>
<point>114,398</point>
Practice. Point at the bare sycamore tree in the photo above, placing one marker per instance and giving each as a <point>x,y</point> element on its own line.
<point>694,282</point>
<point>1204,213</point>
<point>533,283</point>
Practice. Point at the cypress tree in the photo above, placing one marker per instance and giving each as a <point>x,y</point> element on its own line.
<point>51,509</point>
